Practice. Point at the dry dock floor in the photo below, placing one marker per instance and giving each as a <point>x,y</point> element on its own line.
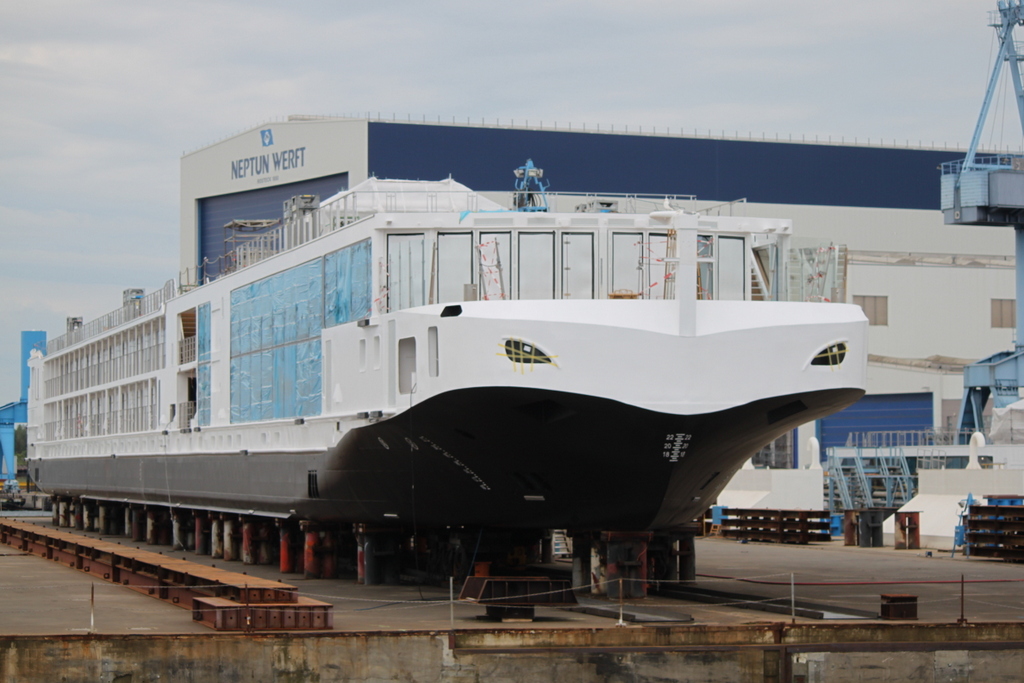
<point>41,597</point>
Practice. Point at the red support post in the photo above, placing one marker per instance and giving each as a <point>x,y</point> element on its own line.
<point>200,523</point>
<point>287,554</point>
<point>311,563</point>
<point>248,542</point>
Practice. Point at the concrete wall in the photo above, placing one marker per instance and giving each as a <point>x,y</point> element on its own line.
<point>939,495</point>
<point>775,490</point>
<point>743,654</point>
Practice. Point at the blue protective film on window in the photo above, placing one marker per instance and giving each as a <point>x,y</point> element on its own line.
<point>203,332</point>
<point>347,284</point>
<point>203,394</point>
<point>275,345</point>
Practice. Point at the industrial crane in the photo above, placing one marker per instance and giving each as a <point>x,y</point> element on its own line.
<point>15,413</point>
<point>989,190</point>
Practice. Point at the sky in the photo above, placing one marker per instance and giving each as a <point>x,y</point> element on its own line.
<point>100,99</point>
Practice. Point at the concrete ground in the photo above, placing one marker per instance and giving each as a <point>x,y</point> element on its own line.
<point>834,575</point>
<point>42,597</point>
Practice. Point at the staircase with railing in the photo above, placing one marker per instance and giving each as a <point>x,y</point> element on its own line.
<point>871,478</point>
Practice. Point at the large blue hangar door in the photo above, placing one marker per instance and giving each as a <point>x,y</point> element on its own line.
<point>877,413</point>
<point>252,205</point>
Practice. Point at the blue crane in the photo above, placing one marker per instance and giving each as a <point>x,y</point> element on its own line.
<point>16,412</point>
<point>989,190</point>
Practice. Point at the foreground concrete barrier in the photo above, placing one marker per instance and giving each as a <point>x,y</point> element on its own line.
<point>745,654</point>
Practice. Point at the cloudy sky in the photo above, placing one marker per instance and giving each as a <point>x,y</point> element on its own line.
<point>101,98</point>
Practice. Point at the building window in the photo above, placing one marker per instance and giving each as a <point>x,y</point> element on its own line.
<point>876,308</point>
<point>1004,313</point>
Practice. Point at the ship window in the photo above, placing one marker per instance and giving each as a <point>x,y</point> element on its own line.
<point>432,351</point>
<point>454,265</point>
<point>627,264</point>
<point>732,274</point>
<point>347,284</point>
<point>493,261</point>
<point>655,249</point>
<point>705,267</point>
<point>203,332</point>
<point>578,265</point>
<point>407,268</point>
<point>406,365</point>
<point>275,345</point>
<point>362,355</point>
<point>831,355</point>
<point>705,246</point>
<point>203,395</point>
<point>537,265</point>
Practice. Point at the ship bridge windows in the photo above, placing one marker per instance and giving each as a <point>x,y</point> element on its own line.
<point>705,267</point>
<point>494,263</point>
<point>732,271</point>
<point>454,265</point>
<point>578,265</point>
<point>407,269</point>
<point>486,265</point>
<point>536,265</point>
<point>642,265</point>
<point>540,276</point>
<point>627,266</point>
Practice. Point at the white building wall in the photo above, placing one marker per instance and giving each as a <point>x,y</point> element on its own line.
<point>936,310</point>
<point>328,147</point>
<point>871,229</point>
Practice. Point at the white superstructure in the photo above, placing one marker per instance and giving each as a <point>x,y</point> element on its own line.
<point>412,350</point>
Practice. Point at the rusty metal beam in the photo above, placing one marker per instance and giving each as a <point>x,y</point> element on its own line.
<point>179,582</point>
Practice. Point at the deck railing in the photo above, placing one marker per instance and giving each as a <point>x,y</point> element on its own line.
<point>151,303</point>
<point>186,350</point>
<point>140,419</point>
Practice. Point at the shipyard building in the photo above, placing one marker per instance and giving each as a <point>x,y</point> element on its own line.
<point>866,217</point>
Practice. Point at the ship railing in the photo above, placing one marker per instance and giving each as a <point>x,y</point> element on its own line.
<point>129,420</point>
<point>921,437</point>
<point>618,202</point>
<point>115,368</point>
<point>151,303</point>
<point>186,411</point>
<point>187,350</point>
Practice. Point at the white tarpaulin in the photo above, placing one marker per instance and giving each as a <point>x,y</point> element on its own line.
<point>1008,424</point>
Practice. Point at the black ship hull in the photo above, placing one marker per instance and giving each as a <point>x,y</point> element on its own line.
<point>493,456</point>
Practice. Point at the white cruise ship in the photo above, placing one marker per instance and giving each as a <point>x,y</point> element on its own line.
<point>412,353</point>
